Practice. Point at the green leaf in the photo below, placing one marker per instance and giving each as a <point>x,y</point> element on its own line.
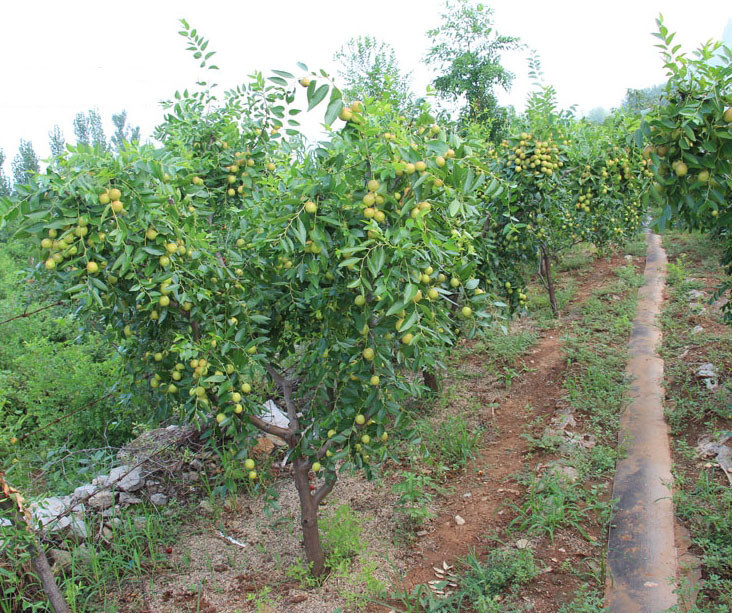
<point>395,308</point>
<point>411,320</point>
<point>284,74</point>
<point>317,97</point>
<point>334,109</point>
<point>301,233</point>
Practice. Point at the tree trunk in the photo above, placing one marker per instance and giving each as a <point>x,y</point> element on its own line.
<point>430,380</point>
<point>43,570</point>
<point>547,272</point>
<point>309,518</point>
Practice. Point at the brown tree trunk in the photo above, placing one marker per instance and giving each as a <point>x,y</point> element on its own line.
<point>309,518</point>
<point>430,380</point>
<point>43,570</point>
<point>547,272</point>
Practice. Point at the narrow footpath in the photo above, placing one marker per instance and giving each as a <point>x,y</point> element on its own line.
<point>642,566</point>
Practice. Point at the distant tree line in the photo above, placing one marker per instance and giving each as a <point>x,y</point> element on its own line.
<point>88,131</point>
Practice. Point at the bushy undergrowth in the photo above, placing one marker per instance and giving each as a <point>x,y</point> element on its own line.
<point>53,364</point>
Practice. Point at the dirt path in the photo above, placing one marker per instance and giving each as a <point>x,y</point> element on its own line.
<point>483,498</point>
<point>641,552</point>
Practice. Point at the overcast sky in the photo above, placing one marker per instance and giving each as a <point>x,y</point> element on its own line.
<point>64,56</point>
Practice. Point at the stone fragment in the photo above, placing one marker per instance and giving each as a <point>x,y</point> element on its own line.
<point>126,499</point>
<point>139,522</point>
<point>153,486</point>
<point>101,481</point>
<point>126,479</point>
<point>459,520</point>
<point>83,492</point>
<point>159,500</point>
<point>61,560</point>
<point>708,373</point>
<point>102,500</point>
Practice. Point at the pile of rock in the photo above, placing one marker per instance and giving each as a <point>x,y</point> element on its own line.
<point>126,485</point>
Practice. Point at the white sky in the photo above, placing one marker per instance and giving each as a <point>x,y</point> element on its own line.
<point>60,57</point>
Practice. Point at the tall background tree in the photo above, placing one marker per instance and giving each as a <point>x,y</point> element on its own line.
<point>81,129</point>
<point>4,181</point>
<point>88,129</point>
<point>639,100</point>
<point>25,163</point>
<point>597,115</point>
<point>56,141</point>
<point>466,53</point>
<point>123,133</point>
<point>369,69</point>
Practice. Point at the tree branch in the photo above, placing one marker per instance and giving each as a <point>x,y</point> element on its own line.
<point>287,435</point>
<point>286,386</point>
<point>323,491</point>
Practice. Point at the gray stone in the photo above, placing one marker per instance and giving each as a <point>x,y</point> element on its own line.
<point>206,507</point>
<point>46,512</point>
<point>568,473</point>
<point>101,481</point>
<point>78,527</point>
<point>709,375</point>
<point>128,499</point>
<point>83,492</point>
<point>154,487</point>
<point>110,511</point>
<point>139,522</point>
<point>126,479</point>
<point>697,329</point>
<point>61,559</point>
<point>695,293</point>
<point>190,476</point>
<point>102,500</point>
<point>52,514</point>
<point>159,500</point>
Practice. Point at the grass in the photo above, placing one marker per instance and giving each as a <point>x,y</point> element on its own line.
<point>135,548</point>
<point>595,345</point>
<point>702,496</point>
<point>486,584</point>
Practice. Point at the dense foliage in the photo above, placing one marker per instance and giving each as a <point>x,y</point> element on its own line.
<point>689,137</point>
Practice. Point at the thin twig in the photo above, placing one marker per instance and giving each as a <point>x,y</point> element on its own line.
<point>26,314</point>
